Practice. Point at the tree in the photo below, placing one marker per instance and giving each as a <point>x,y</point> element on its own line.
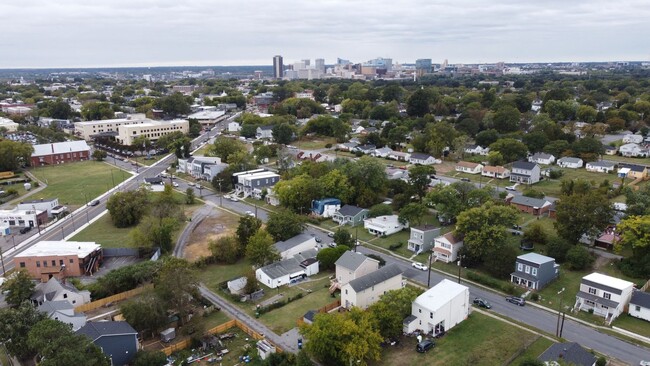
<point>579,258</point>
<point>224,147</point>
<point>195,127</point>
<point>535,141</point>
<point>174,105</point>
<point>531,361</point>
<point>380,210</point>
<point>189,196</point>
<point>487,137</point>
<point>284,224</point>
<point>145,313</point>
<point>283,133</point>
<point>99,155</point>
<point>510,149</point>
<point>343,337</point>
<point>150,358</point>
<point>484,228</point>
<point>327,257</point>
<point>336,184</point>
<point>506,119</point>
<point>260,250</point>
<point>127,208</point>
<point>226,249</point>
<point>582,213</point>
<point>142,143</point>
<point>298,193</point>
<point>557,248</point>
<point>177,285</point>
<point>20,288</point>
<point>343,237</point>
<point>165,205</point>
<point>586,113</point>
<point>535,234</point>
<point>419,178</point>
<point>417,104</point>
<point>391,309</point>
<point>392,91</point>
<point>15,324</point>
<point>453,199</point>
<point>501,260</point>
<point>556,148</point>
<point>57,345</point>
<point>248,226</point>
<point>635,231</point>
<point>97,111</point>
<point>412,214</point>
<point>495,158</point>
<point>14,155</point>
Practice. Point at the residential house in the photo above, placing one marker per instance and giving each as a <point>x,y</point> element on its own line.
<point>352,265</point>
<point>288,270</point>
<point>542,158</point>
<point>477,150</point>
<point>347,146</point>
<point>51,206</point>
<point>533,206</point>
<point>497,172</point>
<point>610,150</point>
<point>350,215</point>
<point>633,150</point>
<point>234,127</point>
<point>367,289</point>
<point>325,207</point>
<point>117,340</point>
<point>365,149</point>
<point>272,198</point>
<point>600,166</point>
<point>201,167</point>
<point>383,152</point>
<point>534,271</point>
<point>439,309</point>
<point>524,172</point>
<point>569,162</point>
<point>640,305</point>
<point>237,286</point>
<point>422,238</point>
<point>446,247</point>
<point>251,183</point>
<point>468,167</point>
<point>63,311</point>
<point>423,159</point>
<point>606,296</point>
<point>53,290</point>
<point>396,173</point>
<point>632,139</point>
<point>632,171</point>
<point>264,132</point>
<point>59,153</point>
<point>607,238</point>
<point>384,225</point>
<point>569,353</point>
<point>399,156</point>
<point>299,243</point>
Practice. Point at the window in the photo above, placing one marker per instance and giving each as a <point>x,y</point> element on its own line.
<point>71,261</point>
<point>534,272</point>
<point>44,263</point>
<point>637,308</point>
<point>420,311</point>
<point>53,263</point>
<point>346,291</point>
<point>527,269</point>
<point>38,264</point>
<point>592,290</point>
<point>430,315</point>
<point>65,296</point>
<point>61,262</point>
<point>22,264</point>
<point>607,295</point>
<point>520,267</point>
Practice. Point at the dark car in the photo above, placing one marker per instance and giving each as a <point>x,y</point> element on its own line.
<point>465,179</point>
<point>93,203</point>
<point>516,300</point>
<point>424,346</point>
<point>25,229</point>
<point>482,303</point>
<point>318,240</point>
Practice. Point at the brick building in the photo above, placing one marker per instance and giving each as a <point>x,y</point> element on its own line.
<point>60,259</point>
<point>60,152</point>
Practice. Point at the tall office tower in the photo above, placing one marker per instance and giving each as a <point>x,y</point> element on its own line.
<point>422,66</point>
<point>278,68</point>
<point>307,62</point>
<point>320,64</point>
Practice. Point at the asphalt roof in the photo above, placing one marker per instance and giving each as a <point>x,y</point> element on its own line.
<point>349,210</point>
<point>376,277</point>
<point>420,156</point>
<point>570,160</point>
<point>523,165</point>
<point>641,298</point>
<point>94,330</point>
<point>297,240</point>
<point>571,352</point>
<point>529,201</point>
<point>351,260</point>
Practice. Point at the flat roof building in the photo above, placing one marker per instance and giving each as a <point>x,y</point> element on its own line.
<point>47,259</point>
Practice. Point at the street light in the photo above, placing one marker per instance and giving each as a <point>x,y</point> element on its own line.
<point>459,266</point>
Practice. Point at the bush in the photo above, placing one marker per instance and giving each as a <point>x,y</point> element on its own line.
<point>124,279</point>
<point>328,146</point>
<point>534,296</point>
<point>555,174</point>
<point>395,246</point>
<point>531,192</point>
<point>579,258</point>
<point>602,361</point>
<point>492,283</point>
<point>557,248</point>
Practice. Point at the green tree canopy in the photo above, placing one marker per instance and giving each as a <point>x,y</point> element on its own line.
<point>127,208</point>
<point>19,286</point>
<point>57,345</point>
<point>260,250</point>
<point>14,155</point>
<point>284,224</point>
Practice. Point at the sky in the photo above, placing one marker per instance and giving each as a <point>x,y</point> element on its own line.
<point>121,33</point>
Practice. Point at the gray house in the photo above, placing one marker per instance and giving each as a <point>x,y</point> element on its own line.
<point>534,271</point>
<point>570,353</point>
<point>524,172</point>
<point>422,238</point>
<point>118,340</point>
<point>350,215</point>
<point>63,311</point>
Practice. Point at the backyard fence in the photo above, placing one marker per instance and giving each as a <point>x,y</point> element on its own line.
<point>120,252</point>
<point>324,309</point>
<point>114,298</point>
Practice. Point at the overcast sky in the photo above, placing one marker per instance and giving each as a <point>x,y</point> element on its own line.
<point>95,33</point>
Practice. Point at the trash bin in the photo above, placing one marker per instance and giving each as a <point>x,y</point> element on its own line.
<point>299,343</point>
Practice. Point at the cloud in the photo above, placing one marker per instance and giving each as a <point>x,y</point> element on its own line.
<point>73,33</point>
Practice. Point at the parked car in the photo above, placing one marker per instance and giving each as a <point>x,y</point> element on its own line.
<point>93,203</point>
<point>330,235</point>
<point>512,187</point>
<point>419,265</point>
<point>465,179</point>
<point>25,229</point>
<point>234,199</point>
<point>516,300</point>
<point>318,240</point>
<point>482,303</point>
<point>250,213</point>
<point>332,245</point>
<point>174,184</point>
<point>644,363</point>
<point>424,346</point>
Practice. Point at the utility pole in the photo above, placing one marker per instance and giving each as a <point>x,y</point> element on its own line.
<point>429,275</point>
<point>3,262</point>
<point>459,267</point>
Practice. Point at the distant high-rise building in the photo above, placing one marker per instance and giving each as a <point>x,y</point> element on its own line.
<point>278,68</point>
<point>340,61</point>
<point>422,66</point>
<point>307,62</point>
<point>320,64</point>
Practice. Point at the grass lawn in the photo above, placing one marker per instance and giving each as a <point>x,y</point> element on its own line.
<point>636,325</point>
<point>479,340</point>
<point>642,161</point>
<point>4,358</point>
<point>214,274</point>
<point>534,350</point>
<point>76,183</point>
<point>105,233</point>
<point>551,187</point>
<point>312,143</point>
<point>214,319</point>
<point>283,319</point>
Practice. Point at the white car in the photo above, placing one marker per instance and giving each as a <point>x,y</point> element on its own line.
<point>234,199</point>
<point>512,187</point>
<point>250,213</point>
<point>174,184</point>
<point>420,266</point>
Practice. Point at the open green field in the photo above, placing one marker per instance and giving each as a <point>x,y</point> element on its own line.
<point>74,184</point>
<point>624,159</point>
<point>632,324</point>
<point>533,351</point>
<point>312,143</point>
<point>551,187</point>
<point>105,233</point>
<point>479,340</point>
<point>214,274</point>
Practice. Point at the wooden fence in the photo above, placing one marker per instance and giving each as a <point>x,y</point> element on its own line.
<point>219,329</point>
<point>645,287</point>
<point>324,309</point>
<point>114,298</point>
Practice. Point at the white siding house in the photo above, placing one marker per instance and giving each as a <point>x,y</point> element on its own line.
<point>600,166</point>
<point>568,162</point>
<point>439,309</point>
<point>383,225</point>
<point>605,295</point>
<point>629,138</point>
<point>640,305</point>
<point>366,290</point>
<point>468,167</point>
<point>446,247</point>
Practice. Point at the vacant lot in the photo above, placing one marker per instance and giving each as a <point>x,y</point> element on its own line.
<point>217,224</point>
<point>105,233</point>
<point>74,184</point>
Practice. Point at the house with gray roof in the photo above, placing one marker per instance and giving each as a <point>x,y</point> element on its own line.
<point>534,271</point>
<point>603,295</point>
<point>602,166</point>
<point>63,311</point>
<point>640,305</point>
<point>118,340</point>
<point>350,215</point>
<point>367,289</point>
<point>569,353</point>
<point>533,206</point>
<point>352,265</point>
<point>288,270</point>
<point>542,158</point>
<point>423,159</point>
<point>53,290</point>
<point>299,243</point>
<point>569,162</point>
<point>524,172</point>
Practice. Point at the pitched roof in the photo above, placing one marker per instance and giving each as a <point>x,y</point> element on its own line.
<point>352,260</point>
<point>494,169</point>
<point>633,167</point>
<point>541,156</point>
<point>94,330</point>
<point>570,352</point>
<point>50,307</point>
<point>602,163</point>
<point>568,159</point>
<point>349,210</point>
<point>420,156</point>
<point>297,240</point>
<point>373,278</point>
<point>529,201</point>
<point>641,298</point>
<point>451,238</point>
<point>266,128</point>
<point>523,165</point>
<point>467,164</point>
<point>50,289</point>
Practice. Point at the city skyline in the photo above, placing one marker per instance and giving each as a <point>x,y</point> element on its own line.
<point>77,34</point>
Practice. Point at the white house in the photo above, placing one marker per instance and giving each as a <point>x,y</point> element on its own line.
<point>524,172</point>
<point>383,225</point>
<point>423,159</point>
<point>446,247</point>
<point>53,290</point>
<point>498,172</point>
<point>607,296</point>
<point>477,150</point>
<point>234,127</point>
<point>633,150</point>
<point>383,152</point>
<point>289,270</point>
<point>367,289</point>
<point>600,166</point>
<point>299,243</point>
<point>569,162</point>
<point>542,158</point>
<point>630,138</point>
<point>264,132</point>
<point>640,305</point>
<point>63,311</point>
<point>469,167</point>
<point>399,156</point>
<point>439,309</point>
<point>352,265</point>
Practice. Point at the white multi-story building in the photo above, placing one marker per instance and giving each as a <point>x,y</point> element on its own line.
<point>366,290</point>
<point>439,309</point>
<point>606,296</point>
<point>153,130</point>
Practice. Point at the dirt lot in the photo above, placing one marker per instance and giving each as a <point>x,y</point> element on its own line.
<point>217,224</point>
